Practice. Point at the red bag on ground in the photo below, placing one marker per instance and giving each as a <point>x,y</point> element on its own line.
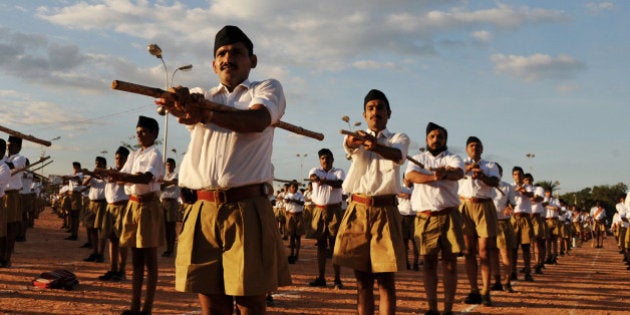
<point>58,279</point>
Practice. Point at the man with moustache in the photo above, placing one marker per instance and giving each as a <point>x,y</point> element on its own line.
<point>479,217</point>
<point>370,235</point>
<point>521,222</point>
<point>232,187</point>
<point>326,195</point>
<point>438,223</point>
<point>15,161</point>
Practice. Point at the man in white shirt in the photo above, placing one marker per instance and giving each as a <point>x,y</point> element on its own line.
<point>169,198</point>
<point>521,222</point>
<point>370,238</point>
<point>15,161</point>
<point>598,214</point>
<point>506,242</point>
<point>439,223</point>
<point>96,209</point>
<point>553,224</point>
<point>5,175</point>
<point>228,163</point>
<point>479,217</point>
<point>294,206</point>
<point>326,196</point>
<point>408,224</point>
<point>623,225</point>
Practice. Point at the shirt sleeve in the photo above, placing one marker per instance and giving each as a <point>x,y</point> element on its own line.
<point>270,94</point>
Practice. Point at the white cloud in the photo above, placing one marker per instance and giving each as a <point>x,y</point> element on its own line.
<point>536,67</point>
<point>567,88</point>
<point>600,6</point>
<point>482,36</point>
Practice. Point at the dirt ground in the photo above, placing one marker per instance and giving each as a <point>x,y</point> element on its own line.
<point>589,281</point>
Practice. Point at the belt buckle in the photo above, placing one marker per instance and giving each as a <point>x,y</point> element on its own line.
<point>220,196</point>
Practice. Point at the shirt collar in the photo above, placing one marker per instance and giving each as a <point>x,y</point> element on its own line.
<point>385,133</point>
<point>223,89</point>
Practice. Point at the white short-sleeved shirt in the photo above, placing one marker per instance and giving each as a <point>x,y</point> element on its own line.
<point>292,207</point>
<point>598,215</point>
<point>97,189</point>
<point>76,184</point>
<point>469,187</point>
<point>5,176</point>
<point>325,194</point>
<point>143,161</point>
<point>622,210</point>
<point>404,204</point>
<point>437,195</point>
<point>15,182</point>
<point>170,191</point>
<point>522,203</point>
<point>552,202</point>
<point>501,200</point>
<point>537,207</point>
<point>372,174</point>
<point>219,158</point>
<point>115,192</point>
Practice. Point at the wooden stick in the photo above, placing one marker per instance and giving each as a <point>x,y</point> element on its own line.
<point>23,136</point>
<point>17,170</point>
<point>41,166</point>
<point>358,136</point>
<point>159,93</point>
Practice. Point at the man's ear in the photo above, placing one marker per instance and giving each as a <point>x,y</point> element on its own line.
<point>254,60</point>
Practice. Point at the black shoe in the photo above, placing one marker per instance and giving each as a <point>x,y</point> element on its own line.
<point>71,238</point>
<point>529,278</point>
<point>291,259</point>
<point>508,288</point>
<point>431,313</point>
<point>338,285</point>
<point>485,299</point>
<point>549,261</point>
<point>20,239</point>
<point>86,245</point>
<point>408,266</point>
<point>538,270</point>
<point>513,276</point>
<point>5,264</point>
<point>118,276</point>
<point>447,313</point>
<point>92,257</point>
<point>416,267</point>
<point>167,253</point>
<point>523,270</point>
<point>107,276</point>
<point>318,282</point>
<point>497,286</point>
<point>473,298</point>
<point>270,301</point>
<point>99,258</point>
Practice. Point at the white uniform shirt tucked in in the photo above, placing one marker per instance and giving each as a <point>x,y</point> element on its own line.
<point>325,194</point>
<point>143,161</point>
<point>115,192</point>
<point>437,195</point>
<point>27,183</point>
<point>5,175</point>
<point>551,202</point>
<point>622,210</point>
<point>15,182</point>
<point>97,189</point>
<point>537,207</point>
<point>469,187</point>
<point>522,203</point>
<point>76,184</point>
<point>404,204</point>
<point>501,200</point>
<point>292,207</point>
<point>598,215</point>
<point>170,191</point>
<point>371,174</point>
<point>219,158</point>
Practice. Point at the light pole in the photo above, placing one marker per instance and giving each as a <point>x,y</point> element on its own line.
<point>530,156</point>
<point>156,51</point>
<point>44,152</point>
<point>301,157</point>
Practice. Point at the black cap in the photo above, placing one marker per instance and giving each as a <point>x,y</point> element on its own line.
<point>122,151</point>
<point>149,123</point>
<point>231,34</point>
<point>324,151</point>
<point>375,94</point>
<point>15,140</point>
<point>473,139</point>
<point>433,126</point>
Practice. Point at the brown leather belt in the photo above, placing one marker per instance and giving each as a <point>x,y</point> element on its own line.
<point>431,213</point>
<point>98,200</point>
<point>375,201</point>
<point>521,214</point>
<point>233,194</point>
<point>169,199</point>
<point>474,199</point>
<point>142,198</point>
<point>328,206</point>
<point>535,215</point>
<point>550,219</point>
<point>118,203</point>
<point>11,191</point>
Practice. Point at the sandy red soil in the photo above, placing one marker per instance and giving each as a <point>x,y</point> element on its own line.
<point>589,281</point>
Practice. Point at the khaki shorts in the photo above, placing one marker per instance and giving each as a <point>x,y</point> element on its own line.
<point>577,227</point>
<point>95,214</point>
<point>408,226</point>
<point>75,201</point>
<point>522,229</point>
<point>538,227</point>
<point>505,237</point>
<point>143,225</point>
<point>439,232</point>
<point>599,227</point>
<point>621,241</point>
<point>370,239</point>
<point>12,204</point>
<point>295,224</point>
<point>479,218</point>
<point>325,220</point>
<point>232,248</point>
<point>553,227</point>
<point>111,225</point>
<point>171,210</point>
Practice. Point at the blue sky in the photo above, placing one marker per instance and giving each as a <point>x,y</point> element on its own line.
<point>541,77</point>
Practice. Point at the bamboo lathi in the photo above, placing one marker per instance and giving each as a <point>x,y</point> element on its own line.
<point>23,136</point>
<point>159,93</point>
